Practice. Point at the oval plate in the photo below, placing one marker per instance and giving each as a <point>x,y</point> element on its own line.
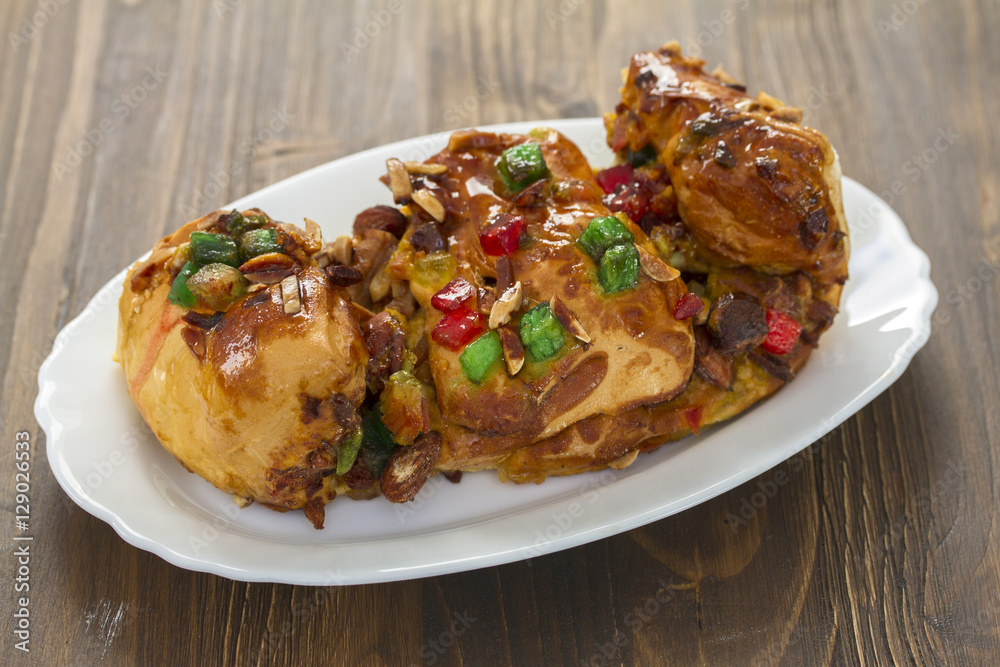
<point>109,463</point>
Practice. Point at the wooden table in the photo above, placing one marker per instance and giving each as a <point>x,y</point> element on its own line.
<point>118,120</point>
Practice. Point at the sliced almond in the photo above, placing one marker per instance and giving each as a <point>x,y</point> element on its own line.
<point>513,350</point>
<point>485,300</point>
<point>269,268</point>
<point>508,304</point>
<point>567,319</point>
<point>380,285</point>
<point>654,267</point>
<point>787,114</point>
<point>314,237</point>
<point>242,502</point>
<point>426,200</point>
<point>343,250</point>
<point>399,181</point>
<point>290,295</point>
<point>505,273</point>
<point>465,140</point>
<point>324,257</point>
<point>425,168</point>
<point>624,461</point>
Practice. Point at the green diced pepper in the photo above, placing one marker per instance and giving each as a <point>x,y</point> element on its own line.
<point>217,285</point>
<point>377,445</point>
<point>258,242</point>
<point>619,269</point>
<point>180,294</point>
<point>541,333</point>
<point>347,453</point>
<point>520,166</point>
<point>602,234</point>
<point>209,248</point>
<point>480,355</point>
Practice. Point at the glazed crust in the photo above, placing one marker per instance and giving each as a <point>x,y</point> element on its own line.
<point>638,354</point>
<point>257,415</point>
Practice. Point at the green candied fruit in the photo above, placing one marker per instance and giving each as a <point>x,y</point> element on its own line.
<point>347,453</point>
<point>208,248</point>
<point>642,157</point>
<point>602,234</point>
<point>541,333</point>
<point>480,355</point>
<point>258,242</point>
<point>217,286</point>
<point>377,445</point>
<point>180,294</point>
<point>237,223</point>
<point>619,268</point>
<point>520,166</point>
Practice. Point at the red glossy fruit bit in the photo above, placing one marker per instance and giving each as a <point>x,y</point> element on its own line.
<point>630,199</point>
<point>687,306</point>
<point>458,328</point>
<point>612,177</point>
<point>453,295</point>
<point>782,332</point>
<point>693,416</point>
<point>503,236</point>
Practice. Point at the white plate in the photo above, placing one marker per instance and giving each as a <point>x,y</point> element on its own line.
<point>109,463</point>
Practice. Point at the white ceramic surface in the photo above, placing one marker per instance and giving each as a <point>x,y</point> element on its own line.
<point>109,463</point>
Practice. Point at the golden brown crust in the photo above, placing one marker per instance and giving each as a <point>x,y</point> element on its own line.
<point>257,415</point>
<point>638,354</point>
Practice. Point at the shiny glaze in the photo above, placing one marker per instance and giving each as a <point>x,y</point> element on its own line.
<point>639,354</point>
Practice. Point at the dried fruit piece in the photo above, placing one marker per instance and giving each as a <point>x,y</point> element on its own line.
<point>783,332</point>
<point>410,467</point>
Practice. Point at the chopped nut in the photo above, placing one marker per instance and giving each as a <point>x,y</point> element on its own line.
<point>508,304</point>
<point>505,273</point>
<point>180,257</point>
<point>787,114</point>
<point>464,140</point>
<point>399,181</point>
<point>343,276</point>
<point>769,102</point>
<point>425,168</point>
<point>290,295</point>
<point>242,502</point>
<point>427,201</point>
<point>485,300</point>
<point>343,250</point>
<point>410,467</point>
<point>654,267</point>
<point>269,268</point>
<point>513,349</point>
<point>702,317</point>
<point>567,320</point>
<point>313,237</point>
<point>380,285</point>
<point>385,218</point>
<point>324,257</point>
<point>624,461</point>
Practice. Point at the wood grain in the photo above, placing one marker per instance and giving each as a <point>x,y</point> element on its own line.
<point>878,545</point>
